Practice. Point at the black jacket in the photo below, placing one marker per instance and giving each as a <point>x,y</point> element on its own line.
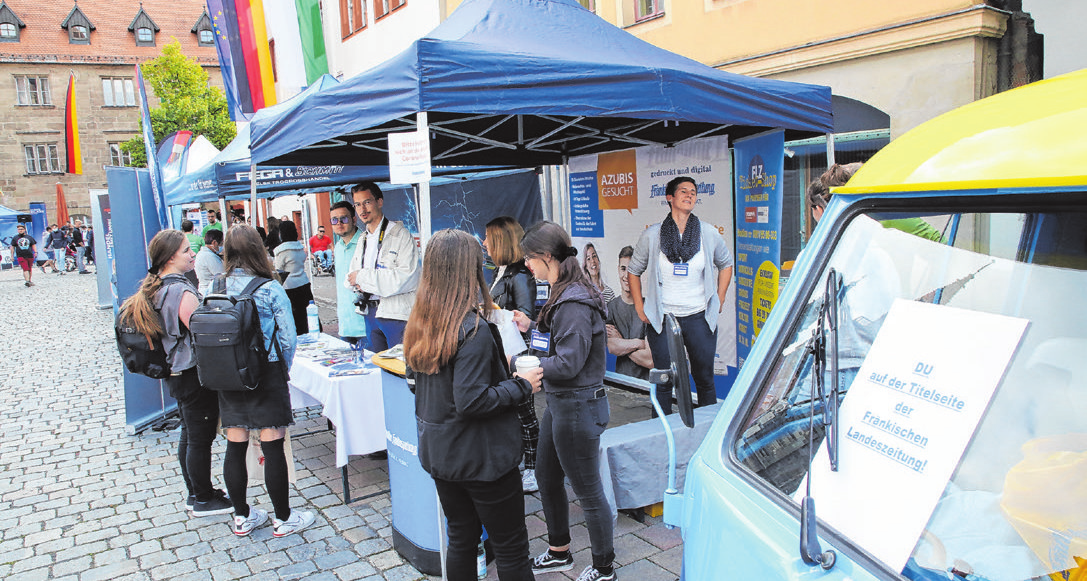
<point>467,412</point>
<point>577,355</point>
<point>516,290</point>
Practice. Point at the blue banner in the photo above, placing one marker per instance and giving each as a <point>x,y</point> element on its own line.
<point>158,192</point>
<point>586,217</point>
<point>759,163</point>
<point>38,223</point>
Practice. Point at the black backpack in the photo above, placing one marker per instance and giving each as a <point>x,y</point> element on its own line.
<point>228,340</point>
<point>142,353</point>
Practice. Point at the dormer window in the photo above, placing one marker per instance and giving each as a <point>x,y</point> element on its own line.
<point>79,27</point>
<point>9,24</point>
<point>144,28</point>
<point>202,30</point>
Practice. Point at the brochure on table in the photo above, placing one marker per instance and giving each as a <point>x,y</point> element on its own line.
<point>906,420</point>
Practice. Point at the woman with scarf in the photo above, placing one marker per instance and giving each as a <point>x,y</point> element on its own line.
<point>682,266</point>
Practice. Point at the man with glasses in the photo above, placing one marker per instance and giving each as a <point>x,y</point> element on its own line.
<point>320,245</point>
<point>352,326</point>
<point>384,271</point>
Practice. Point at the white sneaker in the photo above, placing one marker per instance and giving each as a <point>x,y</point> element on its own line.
<point>528,481</point>
<point>245,525</point>
<point>299,520</point>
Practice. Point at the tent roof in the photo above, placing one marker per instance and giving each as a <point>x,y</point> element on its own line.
<point>528,82</point>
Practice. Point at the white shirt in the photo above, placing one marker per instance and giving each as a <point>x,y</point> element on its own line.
<point>682,295</point>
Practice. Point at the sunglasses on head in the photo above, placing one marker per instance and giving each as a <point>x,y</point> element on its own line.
<point>345,220</point>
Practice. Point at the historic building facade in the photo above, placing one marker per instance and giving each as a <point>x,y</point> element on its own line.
<point>42,43</point>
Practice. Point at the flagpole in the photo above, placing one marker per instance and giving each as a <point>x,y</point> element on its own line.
<point>253,191</point>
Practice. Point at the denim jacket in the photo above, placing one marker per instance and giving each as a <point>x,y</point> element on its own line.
<point>274,308</point>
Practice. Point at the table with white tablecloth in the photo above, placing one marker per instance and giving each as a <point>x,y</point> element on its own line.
<point>353,404</point>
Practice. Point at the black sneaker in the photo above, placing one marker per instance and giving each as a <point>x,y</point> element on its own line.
<point>546,563</point>
<point>593,574</point>
<point>190,500</point>
<point>217,505</point>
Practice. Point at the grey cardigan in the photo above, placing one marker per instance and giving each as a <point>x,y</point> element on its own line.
<point>645,260</point>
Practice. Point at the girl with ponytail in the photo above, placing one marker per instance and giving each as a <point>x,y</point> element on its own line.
<point>161,308</point>
<point>570,341</point>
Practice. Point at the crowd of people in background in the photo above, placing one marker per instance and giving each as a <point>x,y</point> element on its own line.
<point>66,248</point>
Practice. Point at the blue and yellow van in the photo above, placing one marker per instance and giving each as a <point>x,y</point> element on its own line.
<point>1004,181</point>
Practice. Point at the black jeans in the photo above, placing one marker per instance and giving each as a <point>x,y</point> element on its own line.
<point>199,420</point>
<point>499,506</point>
<point>701,343</point>
<point>570,448</point>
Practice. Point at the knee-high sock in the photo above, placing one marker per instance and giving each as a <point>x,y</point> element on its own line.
<point>236,476</point>
<point>275,477</point>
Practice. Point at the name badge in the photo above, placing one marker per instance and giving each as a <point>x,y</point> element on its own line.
<point>679,269</point>
<point>541,341</point>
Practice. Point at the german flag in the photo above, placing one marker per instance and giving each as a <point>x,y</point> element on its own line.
<point>241,40</point>
<point>71,131</point>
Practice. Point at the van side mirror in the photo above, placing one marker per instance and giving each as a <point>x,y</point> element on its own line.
<point>681,371</point>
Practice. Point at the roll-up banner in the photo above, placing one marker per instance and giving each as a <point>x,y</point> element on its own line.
<point>615,196</point>
<point>759,164</point>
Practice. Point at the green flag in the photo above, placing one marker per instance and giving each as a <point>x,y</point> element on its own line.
<point>313,39</point>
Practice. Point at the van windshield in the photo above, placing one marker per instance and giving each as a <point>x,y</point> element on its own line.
<point>1015,506</point>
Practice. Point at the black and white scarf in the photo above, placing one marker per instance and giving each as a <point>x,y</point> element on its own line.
<point>679,250</point>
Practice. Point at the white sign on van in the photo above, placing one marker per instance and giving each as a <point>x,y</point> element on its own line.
<point>906,421</point>
<point>409,157</point>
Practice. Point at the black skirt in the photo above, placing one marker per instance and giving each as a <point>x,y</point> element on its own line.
<point>267,406</point>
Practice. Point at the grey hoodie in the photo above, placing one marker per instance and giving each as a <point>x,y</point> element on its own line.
<point>576,358</point>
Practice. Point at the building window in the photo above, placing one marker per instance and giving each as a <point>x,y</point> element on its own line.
<point>42,158</point>
<point>9,24</point>
<point>207,38</point>
<point>32,90</point>
<point>646,9</point>
<point>118,92</point>
<point>352,16</point>
<point>383,7</point>
<point>119,157</point>
<point>8,31</point>
<point>78,35</point>
<point>144,36</point>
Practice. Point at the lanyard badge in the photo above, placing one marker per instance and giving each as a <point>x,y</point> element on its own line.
<point>541,341</point>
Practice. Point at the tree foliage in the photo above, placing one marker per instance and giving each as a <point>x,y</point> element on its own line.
<point>186,102</point>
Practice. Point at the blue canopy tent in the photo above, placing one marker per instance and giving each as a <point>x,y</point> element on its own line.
<point>530,82</point>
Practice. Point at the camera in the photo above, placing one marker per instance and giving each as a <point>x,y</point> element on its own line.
<point>364,300</point>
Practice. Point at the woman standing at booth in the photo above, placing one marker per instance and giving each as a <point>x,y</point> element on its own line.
<point>514,289</point>
<point>161,308</point>
<point>571,341</point>
<point>465,406</point>
<point>290,256</point>
<point>268,407</point>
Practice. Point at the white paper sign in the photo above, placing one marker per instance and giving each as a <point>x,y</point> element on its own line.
<point>409,157</point>
<point>512,342</point>
<point>906,421</point>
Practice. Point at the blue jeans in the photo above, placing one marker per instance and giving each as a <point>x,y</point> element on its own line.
<point>499,506</point>
<point>701,343</point>
<point>570,432</point>
<point>383,333</point>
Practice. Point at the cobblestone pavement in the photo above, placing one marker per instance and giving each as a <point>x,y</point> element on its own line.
<point>81,499</point>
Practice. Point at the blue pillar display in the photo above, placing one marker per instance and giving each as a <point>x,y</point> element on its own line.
<point>134,221</point>
<point>38,220</point>
<point>416,513</point>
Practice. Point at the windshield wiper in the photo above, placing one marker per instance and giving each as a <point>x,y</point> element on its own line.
<point>823,347</point>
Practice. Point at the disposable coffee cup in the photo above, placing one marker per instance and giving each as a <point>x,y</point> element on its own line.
<point>526,362</point>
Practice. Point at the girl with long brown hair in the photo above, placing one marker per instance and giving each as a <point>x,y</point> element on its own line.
<point>570,341</point>
<point>465,406</point>
<point>268,407</point>
<point>161,308</point>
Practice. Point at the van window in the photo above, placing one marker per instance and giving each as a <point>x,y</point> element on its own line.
<point>1016,505</point>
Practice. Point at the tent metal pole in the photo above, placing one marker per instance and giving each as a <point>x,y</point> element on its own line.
<point>253,191</point>
<point>222,211</point>
<point>830,149</point>
<point>424,187</point>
